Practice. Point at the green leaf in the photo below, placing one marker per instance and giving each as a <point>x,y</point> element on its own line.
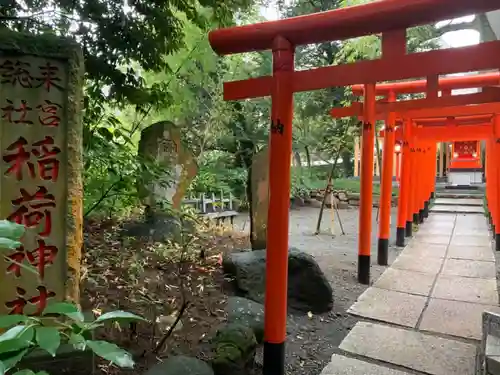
<point>13,360</point>
<point>7,243</point>
<point>42,373</point>
<point>112,353</point>
<point>10,230</point>
<point>24,372</point>
<point>18,337</point>
<point>119,316</point>
<point>64,308</point>
<point>12,333</point>
<point>3,368</point>
<point>78,341</point>
<point>48,338</point>
<point>28,334</point>
<point>9,320</point>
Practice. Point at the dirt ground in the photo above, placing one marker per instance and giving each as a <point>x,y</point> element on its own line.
<point>134,276</point>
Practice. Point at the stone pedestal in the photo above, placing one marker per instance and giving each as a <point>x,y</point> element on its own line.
<point>260,198</point>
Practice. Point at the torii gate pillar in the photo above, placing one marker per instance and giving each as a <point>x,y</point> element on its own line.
<point>279,205</point>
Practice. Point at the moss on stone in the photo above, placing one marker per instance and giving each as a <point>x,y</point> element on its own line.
<point>44,45</point>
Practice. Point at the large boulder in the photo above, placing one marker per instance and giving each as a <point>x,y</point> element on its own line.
<point>308,288</point>
<point>248,313</point>
<point>235,346</point>
<point>181,365</point>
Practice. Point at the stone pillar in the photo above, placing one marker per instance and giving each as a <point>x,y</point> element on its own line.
<point>161,145</point>
<point>41,168</point>
<point>260,198</point>
<point>356,156</point>
<point>441,159</point>
<point>380,146</point>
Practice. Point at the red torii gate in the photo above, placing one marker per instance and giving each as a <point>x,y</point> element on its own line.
<point>415,209</point>
<point>445,84</point>
<point>389,17</point>
<point>456,118</point>
<point>469,106</point>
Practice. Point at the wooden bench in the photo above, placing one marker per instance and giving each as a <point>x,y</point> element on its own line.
<point>220,217</point>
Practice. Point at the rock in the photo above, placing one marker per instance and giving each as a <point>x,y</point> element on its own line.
<point>308,288</point>
<point>315,203</point>
<point>353,202</point>
<point>342,196</point>
<point>248,313</point>
<point>159,227</point>
<point>181,365</point>
<point>235,346</point>
<point>343,205</point>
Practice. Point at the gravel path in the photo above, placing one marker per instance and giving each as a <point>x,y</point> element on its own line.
<point>311,342</point>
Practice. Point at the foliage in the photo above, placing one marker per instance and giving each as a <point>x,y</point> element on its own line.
<point>214,177</point>
<point>114,34</point>
<point>303,181</point>
<point>60,322</point>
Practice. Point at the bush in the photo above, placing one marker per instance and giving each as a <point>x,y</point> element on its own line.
<point>216,173</point>
<point>60,322</point>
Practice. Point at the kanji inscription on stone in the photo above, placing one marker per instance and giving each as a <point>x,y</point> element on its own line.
<point>37,180</point>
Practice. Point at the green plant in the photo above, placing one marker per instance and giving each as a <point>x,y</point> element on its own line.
<point>60,323</point>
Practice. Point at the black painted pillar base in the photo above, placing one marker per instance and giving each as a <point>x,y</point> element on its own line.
<point>383,252</point>
<point>409,229</point>
<point>426,209</point>
<point>274,359</point>
<point>416,219</point>
<point>433,195</point>
<point>363,269</point>
<point>497,242</point>
<point>400,237</point>
<point>421,216</point>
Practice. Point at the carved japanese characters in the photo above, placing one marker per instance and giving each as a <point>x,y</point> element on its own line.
<point>40,180</point>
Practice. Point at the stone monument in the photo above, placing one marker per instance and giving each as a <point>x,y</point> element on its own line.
<point>41,80</point>
<point>260,198</point>
<point>161,143</point>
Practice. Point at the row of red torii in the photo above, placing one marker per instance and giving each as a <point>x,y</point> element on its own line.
<point>448,118</point>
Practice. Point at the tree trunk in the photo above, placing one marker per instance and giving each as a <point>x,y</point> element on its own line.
<point>347,162</point>
<point>249,194</point>
<point>328,187</point>
<point>298,161</point>
<point>308,156</point>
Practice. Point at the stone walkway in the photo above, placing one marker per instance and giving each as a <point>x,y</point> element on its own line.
<point>423,315</point>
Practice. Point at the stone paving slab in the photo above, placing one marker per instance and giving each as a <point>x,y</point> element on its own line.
<point>470,268</point>
<point>439,239</point>
<point>457,209</point>
<point>472,221</point>
<point>459,201</point>
<point>406,281</point>
<point>341,365</point>
<point>483,253</point>
<point>425,250</point>
<point>441,218</point>
<point>454,318</point>
<point>476,230</point>
<point>418,263</point>
<point>411,349</point>
<point>389,306</point>
<point>466,289</point>
<point>431,229</point>
<point>476,240</point>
